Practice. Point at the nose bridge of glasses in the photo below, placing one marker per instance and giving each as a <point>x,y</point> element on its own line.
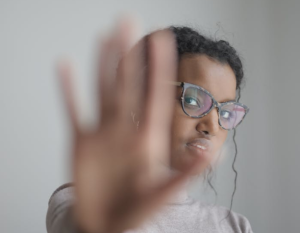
<point>216,105</point>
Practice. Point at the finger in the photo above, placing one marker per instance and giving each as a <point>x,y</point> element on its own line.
<point>110,89</point>
<point>159,102</point>
<point>106,80</point>
<point>129,72</point>
<point>65,74</point>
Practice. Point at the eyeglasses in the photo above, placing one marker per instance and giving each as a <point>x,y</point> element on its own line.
<point>197,102</point>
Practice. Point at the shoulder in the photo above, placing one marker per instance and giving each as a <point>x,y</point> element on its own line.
<point>59,207</point>
<point>228,221</point>
<point>62,193</point>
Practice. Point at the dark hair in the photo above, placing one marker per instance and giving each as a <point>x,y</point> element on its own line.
<point>190,42</point>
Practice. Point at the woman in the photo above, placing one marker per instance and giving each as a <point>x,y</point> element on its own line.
<point>154,133</point>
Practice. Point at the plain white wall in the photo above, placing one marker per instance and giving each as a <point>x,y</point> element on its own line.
<point>34,130</point>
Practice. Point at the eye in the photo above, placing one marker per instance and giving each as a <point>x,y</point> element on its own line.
<point>226,114</point>
<point>191,101</point>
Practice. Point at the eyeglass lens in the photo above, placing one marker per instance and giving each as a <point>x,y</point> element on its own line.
<point>197,102</point>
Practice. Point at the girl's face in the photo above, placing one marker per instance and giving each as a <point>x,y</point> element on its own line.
<point>188,133</point>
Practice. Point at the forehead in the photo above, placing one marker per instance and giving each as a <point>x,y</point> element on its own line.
<point>219,79</point>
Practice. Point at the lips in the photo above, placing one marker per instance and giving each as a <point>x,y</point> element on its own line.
<point>200,146</point>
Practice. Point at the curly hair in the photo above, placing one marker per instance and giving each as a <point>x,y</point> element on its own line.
<point>191,42</point>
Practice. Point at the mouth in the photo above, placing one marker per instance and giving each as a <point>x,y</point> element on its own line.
<point>200,147</point>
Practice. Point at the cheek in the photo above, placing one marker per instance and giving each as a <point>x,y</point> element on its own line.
<point>221,138</point>
<point>181,128</point>
<point>218,144</point>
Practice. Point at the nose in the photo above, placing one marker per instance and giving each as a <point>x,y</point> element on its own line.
<point>209,124</point>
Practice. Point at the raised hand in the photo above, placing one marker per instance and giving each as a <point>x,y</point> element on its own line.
<point>119,171</point>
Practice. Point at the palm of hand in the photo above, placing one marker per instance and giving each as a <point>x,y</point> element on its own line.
<point>115,166</point>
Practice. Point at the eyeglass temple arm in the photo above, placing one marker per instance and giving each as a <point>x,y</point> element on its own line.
<point>179,84</point>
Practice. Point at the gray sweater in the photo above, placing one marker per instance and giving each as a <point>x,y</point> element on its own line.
<point>182,214</point>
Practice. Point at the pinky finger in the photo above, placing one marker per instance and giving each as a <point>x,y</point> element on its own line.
<point>65,75</point>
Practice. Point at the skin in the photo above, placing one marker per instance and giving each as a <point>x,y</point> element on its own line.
<point>219,79</point>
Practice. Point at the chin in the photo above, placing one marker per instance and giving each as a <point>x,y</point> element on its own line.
<point>181,163</point>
